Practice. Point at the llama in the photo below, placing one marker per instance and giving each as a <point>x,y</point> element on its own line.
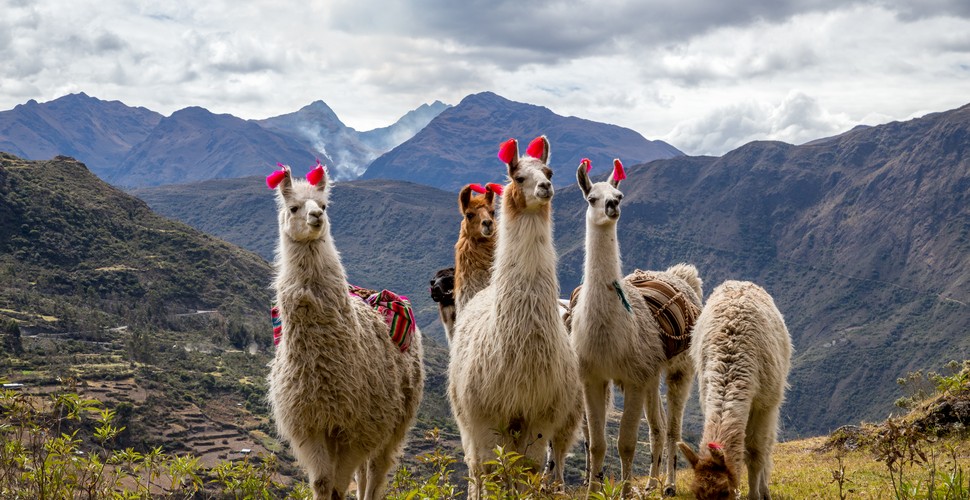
<point>473,250</point>
<point>342,393</point>
<point>619,339</point>
<point>513,378</point>
<point>442,288</point>
<point>742,352</point>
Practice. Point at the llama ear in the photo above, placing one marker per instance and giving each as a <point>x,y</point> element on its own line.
<point>464,198</point>
<point>582,177</point>
<point>539,149</point>
<point>318,176</point>
<point>280,178</point>
<point>618,173</point>
<point>717,453</point>
<point>508,152</point>
<point>688,453</point>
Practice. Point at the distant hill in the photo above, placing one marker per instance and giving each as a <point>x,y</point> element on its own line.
<point>350,151</point>
<point>98,133</point>
<point>864,241</point>
<point>74,248</point>
<point>390,234</point>
<point>459,146</point>
<point>387,138</point>
<point>137,147</point>
<point>194,144</point>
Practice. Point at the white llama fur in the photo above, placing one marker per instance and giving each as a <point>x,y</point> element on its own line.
<point>342,393</point>
<point>742,351</point>
<point>614,344</point>
<point>513,374</point>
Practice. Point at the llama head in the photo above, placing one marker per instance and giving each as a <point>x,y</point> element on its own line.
<point>301,204</point>
<point>478,212</point>
<point>713,477</point>
<point>602,198</point>
<point>530,187</point>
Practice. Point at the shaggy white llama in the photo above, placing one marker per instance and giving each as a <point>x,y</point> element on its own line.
<point>342,393</point>
<point>742,351</point>
<point>513,376</point>
<point>618,339</point>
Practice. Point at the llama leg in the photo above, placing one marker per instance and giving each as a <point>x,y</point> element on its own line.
<point>679,380</point>
<point>347,462</point>
<point>596,392</point>
<point>658,430</point>
<point>762,431</point>
<point>362,479</point>
<point>562,441</point>
<point>314,455</point>
<point>380,464</point>
<point>633,396</point>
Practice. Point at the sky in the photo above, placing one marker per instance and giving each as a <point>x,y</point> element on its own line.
<point>705,76</point>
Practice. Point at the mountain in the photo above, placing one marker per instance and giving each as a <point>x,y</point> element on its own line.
<point>194,144</point>
<point>98,133</point>
<point>863,240</point>
<point>318,126</point>
<point>72,246</point>
<point>387,138</point>
<point>381,228</point>
<point>459,145</point>
<point>350,150</point>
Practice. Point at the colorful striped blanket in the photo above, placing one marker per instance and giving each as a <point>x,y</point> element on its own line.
<point>395,309</point>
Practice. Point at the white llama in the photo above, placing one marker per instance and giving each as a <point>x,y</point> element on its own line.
<point>618,338</point>
<point>513,377</point>
<point>742,352</point>
<point>342,393</point>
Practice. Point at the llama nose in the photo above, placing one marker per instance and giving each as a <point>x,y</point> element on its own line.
<point>612,209</point>
<point>544,189</point>
<point>487,223</point>
<point>316,213</point>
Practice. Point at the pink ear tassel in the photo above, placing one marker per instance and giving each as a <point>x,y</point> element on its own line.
<point>536,148</point>
<point>274,179</point>
<point>477,188</point>
<point>715,446</point>
<point>589,165</point>
<point>316,175</point>
<point>618,173</point>
<point>507,151</point>
<point>495,188</point>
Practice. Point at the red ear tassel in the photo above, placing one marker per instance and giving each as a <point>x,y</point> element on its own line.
<point>507,150</point>
<point>618,173</point>
<point>589,165</point>
<point>715,446</point>
<point>495,188</point>
<point>536,148</point>
<point>274,179</point>
<point>477,188</point>
<point>316,175</point>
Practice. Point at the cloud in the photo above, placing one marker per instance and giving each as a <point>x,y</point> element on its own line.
<point>798,118</point>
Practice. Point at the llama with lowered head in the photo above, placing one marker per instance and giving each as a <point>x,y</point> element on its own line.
<point>513,377</point>
<point>742,352</point>
<point>343,394</point>
<point>618,338</point>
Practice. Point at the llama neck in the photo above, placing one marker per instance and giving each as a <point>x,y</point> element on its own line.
<point>313,268</point>
<point>473,266</point>
<point>524,276</point>
<point>726,425</point>
<point>602,262</point>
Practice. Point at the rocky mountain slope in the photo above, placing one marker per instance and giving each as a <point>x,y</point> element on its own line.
<point>459,146</point>
<point>98,133</point>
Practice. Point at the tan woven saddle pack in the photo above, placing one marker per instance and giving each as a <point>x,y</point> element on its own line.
<point>674,312</point>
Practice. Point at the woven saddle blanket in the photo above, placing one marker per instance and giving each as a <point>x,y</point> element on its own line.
<point>673,310</point>
<point>395,309</point>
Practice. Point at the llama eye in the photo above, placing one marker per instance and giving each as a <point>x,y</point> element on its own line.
<point>294,209</point>
<point>469,216</point>
<point>492,213</point>
<point>323,207</point>
<point>592,201</point>
<point>520,180</point>
<point>620,197</point>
